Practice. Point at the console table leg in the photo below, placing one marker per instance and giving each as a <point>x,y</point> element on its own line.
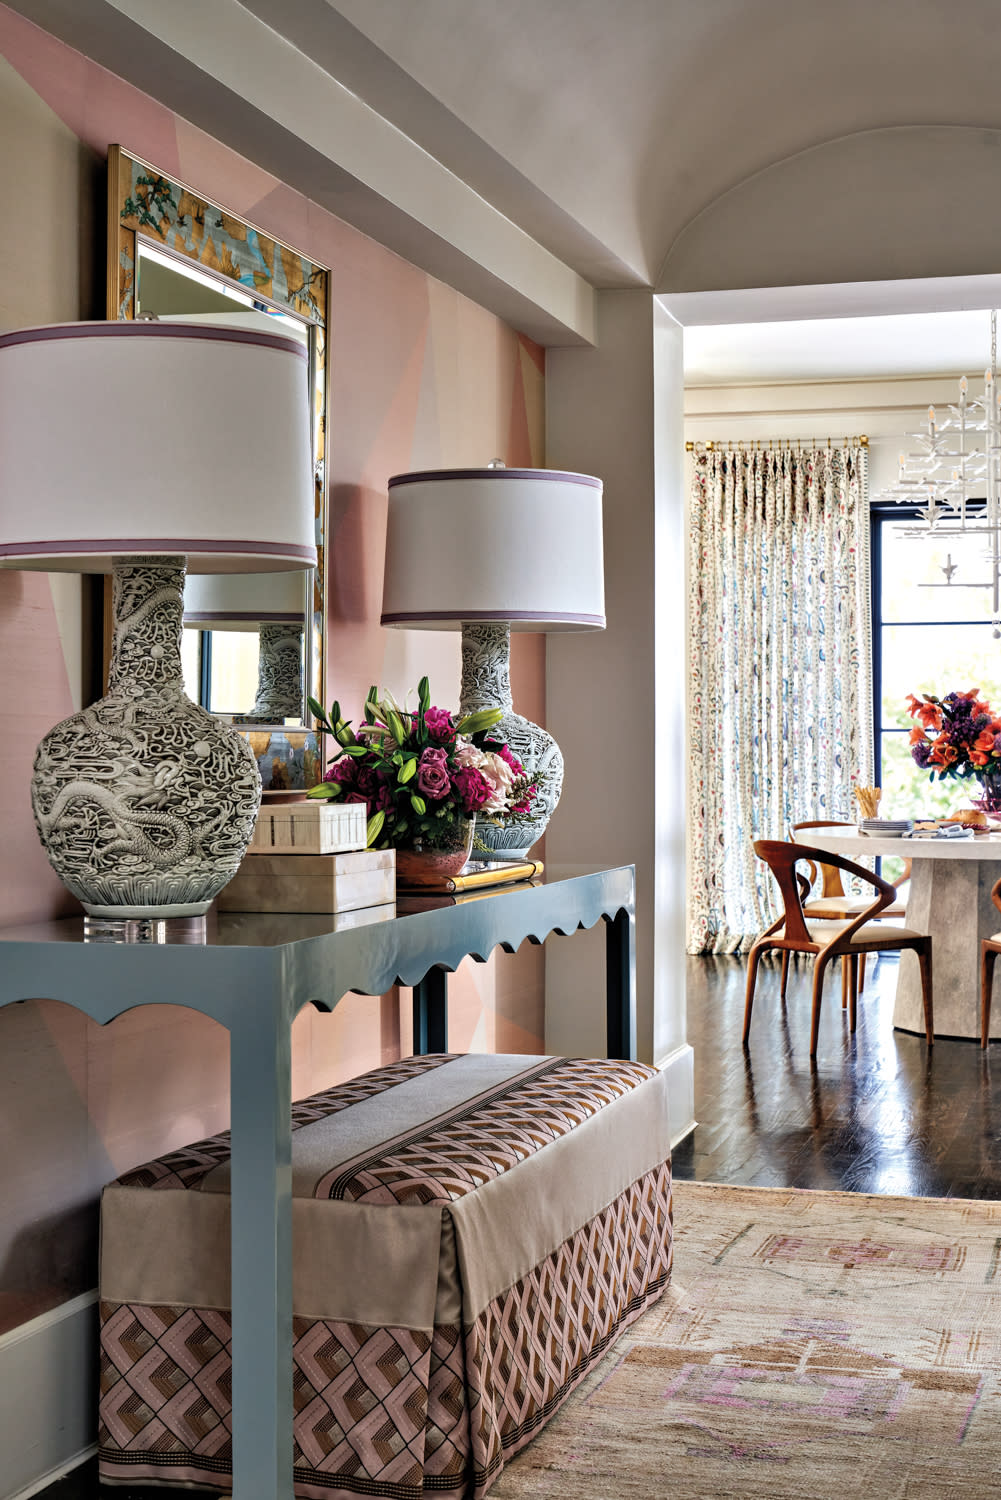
<point>261,1226</point>
<point>620,985</point>
<point>431,1013</point>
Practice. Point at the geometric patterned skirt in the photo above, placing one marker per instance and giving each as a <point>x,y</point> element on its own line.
<point>470,1234</point>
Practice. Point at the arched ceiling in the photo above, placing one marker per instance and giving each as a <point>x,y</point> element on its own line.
<point>529,151</point>
<point>632,116</point>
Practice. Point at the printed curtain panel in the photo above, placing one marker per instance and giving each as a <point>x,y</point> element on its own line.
<point>779,684</point>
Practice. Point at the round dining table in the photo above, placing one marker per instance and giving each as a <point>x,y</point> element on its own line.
<point>950,898</point>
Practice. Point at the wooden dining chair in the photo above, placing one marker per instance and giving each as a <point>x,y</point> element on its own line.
<point>836,905</point>
<point>792,932</point>
<point>834,901</point>
<point>989,949</point>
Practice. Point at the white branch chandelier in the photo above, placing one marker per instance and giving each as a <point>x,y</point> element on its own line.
<point>957,461</point>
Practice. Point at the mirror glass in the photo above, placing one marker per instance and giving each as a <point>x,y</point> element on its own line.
<point>245,634</point>
<point>253,643</point>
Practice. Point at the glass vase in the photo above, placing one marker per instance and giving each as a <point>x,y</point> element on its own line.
<point>423,865</point>
<point>989,800</point>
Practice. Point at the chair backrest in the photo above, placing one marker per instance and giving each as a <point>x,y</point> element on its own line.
<point>996,894</point>
<point>782,859</point>
<point>831,885</point>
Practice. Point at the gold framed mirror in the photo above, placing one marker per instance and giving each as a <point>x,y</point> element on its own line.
<point>251,654</point>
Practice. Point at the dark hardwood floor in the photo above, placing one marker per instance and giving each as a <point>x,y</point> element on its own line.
<point>878,1112</point>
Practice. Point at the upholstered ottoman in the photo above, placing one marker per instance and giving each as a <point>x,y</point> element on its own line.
<point>470,1234</point>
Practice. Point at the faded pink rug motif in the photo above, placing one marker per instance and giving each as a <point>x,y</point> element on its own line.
<point>811,1346</point>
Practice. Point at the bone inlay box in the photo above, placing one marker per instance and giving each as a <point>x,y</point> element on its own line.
<point>312,882</point>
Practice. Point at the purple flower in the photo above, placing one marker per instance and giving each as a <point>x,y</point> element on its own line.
<point>342,771</point>
<point>440,726</point>
<point>472,789</point>
<point>366,780</point>
<point>360,783</point>
<point>921,751</point>
<point>432,774</point>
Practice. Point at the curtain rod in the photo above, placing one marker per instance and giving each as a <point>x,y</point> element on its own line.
<point>757,445</point>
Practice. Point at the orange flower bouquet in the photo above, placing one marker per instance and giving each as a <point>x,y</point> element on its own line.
<point>958,736</point>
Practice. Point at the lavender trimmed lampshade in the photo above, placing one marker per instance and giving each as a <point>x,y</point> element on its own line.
<point>154,438</point>
<point>245,601</point>
<point>488,551</point>
<point>148,450</point>
<point>518,546</point>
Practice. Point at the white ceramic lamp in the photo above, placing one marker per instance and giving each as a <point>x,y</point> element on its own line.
<point>272,604</point>
<point>488,551</point>
<point>142,449</point>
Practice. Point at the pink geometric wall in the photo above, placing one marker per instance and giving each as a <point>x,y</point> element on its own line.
<point>421,378</point>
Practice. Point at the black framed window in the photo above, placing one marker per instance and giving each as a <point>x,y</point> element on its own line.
<point>219,666</point>
<point>932,633</point>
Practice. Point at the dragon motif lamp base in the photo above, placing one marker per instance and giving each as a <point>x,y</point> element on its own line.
<point>280,676</point>
<point>145,803</point>
<point>486,683</point>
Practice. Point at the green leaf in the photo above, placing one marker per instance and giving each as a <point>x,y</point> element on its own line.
<point>406,772</point>
<point>355,751</point>
<point>424,694</point>
<point>374,827</point>
<point>325,791</point>
<point>396,728</point>
<point>418,804</point>
<point>484,718</point>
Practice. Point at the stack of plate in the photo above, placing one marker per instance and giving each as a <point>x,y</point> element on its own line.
<point>887,828</point>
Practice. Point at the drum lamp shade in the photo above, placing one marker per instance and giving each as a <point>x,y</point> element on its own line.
<point>244,601</point>
<point>518,546</point>
<point>154,439</point>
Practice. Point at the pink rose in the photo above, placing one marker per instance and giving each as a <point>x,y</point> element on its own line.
<point>432,774</point>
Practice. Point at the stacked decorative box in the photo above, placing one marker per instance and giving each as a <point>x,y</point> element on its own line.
<point>311,857</point>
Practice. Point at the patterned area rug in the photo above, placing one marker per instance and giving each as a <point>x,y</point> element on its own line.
<point>812,1346</point>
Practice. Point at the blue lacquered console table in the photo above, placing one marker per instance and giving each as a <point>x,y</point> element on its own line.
<point>253,974</point>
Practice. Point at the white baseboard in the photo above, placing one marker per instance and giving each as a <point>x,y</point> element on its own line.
<point>58,1473</point>
<point>679,1066</point>
<point>48,1397</point>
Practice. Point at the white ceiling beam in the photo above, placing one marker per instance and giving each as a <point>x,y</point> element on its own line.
<point>225,70</point>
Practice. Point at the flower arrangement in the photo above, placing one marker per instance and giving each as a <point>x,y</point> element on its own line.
<point>957,736</point>
<point>422,774</point>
